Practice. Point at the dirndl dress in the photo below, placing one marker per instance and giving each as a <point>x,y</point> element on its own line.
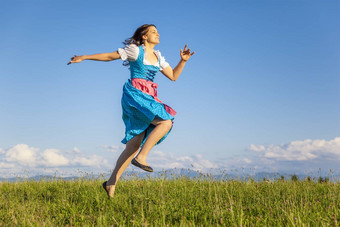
<point>139,101</point>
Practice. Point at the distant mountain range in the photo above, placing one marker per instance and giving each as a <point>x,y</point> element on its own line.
<point>176,173</point>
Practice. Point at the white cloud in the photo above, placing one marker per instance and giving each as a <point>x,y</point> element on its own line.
<point>247,160</point>
<point>4,165</point>
<point>22,154</point>
<point>296,156</point>
<point>52,157</point>
<point>113,148</point>
<point>76,150</point>
<point>257,148</point>
<point>23,159</point>
<point>301,150</point>
<point>93,160</point>
<point>164,160</point>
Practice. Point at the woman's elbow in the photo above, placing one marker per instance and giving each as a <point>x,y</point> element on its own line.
<point>172,78</point>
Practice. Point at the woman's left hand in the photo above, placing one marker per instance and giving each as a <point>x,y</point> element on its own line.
<point>185,55</point>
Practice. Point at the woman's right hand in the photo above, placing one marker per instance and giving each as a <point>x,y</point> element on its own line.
<point>76,59</point>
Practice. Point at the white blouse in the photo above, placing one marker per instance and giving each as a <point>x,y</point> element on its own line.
<point>131,52</point>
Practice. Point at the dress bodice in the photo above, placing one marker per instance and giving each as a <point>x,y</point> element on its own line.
<point>139,70</point>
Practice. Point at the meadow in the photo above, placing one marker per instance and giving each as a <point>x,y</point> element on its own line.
<point>177,201</point>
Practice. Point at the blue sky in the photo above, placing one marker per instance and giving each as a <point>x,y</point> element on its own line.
<point>262,90</point>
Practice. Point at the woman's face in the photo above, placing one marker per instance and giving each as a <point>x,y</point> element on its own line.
<point>152,35</point>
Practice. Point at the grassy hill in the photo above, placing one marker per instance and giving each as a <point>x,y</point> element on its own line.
<point>170,202</point>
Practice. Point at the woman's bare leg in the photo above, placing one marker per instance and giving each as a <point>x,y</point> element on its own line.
<point>132,147</point>
<point>161,129</point>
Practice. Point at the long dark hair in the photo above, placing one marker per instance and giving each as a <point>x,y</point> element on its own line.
<point>137,37</point>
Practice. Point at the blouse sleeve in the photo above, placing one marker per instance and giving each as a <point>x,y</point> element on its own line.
<point>129,52</point>
<point>163,64</point>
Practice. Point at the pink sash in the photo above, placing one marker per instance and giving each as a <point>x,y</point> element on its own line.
<point>150,88</point>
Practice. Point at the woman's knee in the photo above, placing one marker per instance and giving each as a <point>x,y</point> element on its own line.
<point>167,124</point>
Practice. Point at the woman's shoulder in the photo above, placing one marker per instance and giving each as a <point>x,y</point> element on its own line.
<point>134,49</point>
<point>130,52</point>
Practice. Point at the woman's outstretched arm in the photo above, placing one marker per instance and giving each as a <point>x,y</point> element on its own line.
<point>96,57</point>
<point>173,74</point>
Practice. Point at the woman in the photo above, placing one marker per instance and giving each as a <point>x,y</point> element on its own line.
<point>147,119</point>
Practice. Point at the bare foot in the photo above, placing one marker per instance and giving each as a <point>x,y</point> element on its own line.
<point>110,189</point>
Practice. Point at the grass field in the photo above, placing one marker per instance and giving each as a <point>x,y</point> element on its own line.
<point>180,201</point>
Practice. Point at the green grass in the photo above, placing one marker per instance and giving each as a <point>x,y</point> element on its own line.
<point>170,202</point>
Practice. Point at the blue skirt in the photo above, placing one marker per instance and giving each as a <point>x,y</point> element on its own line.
<point>139,110</point>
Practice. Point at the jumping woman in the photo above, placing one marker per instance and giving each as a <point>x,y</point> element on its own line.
<point>147,120</point>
